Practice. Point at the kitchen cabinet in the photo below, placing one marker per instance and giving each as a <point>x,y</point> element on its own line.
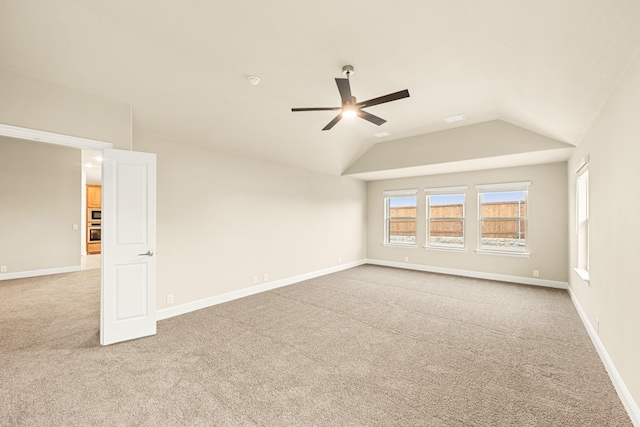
<point>93,248</point>
<point>94,196</point>
<point>94,220</point>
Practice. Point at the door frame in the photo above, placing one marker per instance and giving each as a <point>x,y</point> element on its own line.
<point>62,140</point>
<point>53,138</point>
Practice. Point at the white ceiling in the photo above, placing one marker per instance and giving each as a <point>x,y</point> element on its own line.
<point>546,65</point>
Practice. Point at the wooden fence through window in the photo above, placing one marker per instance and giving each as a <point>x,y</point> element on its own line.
<point>493,226</point>
<point>444,222</point>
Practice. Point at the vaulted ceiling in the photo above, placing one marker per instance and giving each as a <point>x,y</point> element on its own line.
<point>546,66</point>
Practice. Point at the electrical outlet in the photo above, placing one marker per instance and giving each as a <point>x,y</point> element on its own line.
<point>597,325</point>
<point>536,273</point>
<point>339,260</point>
<point>75,226</point>
<point>170,299</point>
<point>255,279</point>
<point>406,259</point>
<point>3,268</point>
<point>266,277</point>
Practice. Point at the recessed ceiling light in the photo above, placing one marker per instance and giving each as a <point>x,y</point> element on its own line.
<point>99,158</point>
<point>453,119</point>
<point>254,80</point>
<point>88,165</point>
<point>382,134</point>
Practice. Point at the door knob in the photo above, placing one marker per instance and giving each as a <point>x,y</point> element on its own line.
<point>148,253</point>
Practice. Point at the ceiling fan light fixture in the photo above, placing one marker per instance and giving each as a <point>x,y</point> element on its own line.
<point>348,112</point>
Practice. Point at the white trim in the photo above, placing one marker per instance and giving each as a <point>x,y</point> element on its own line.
<point>447,190</point>
<point>35,273</point>
<point>582,241</point>
<point>503,253</point>
<point>445,249</point>
<point>400,193</point>
<point>168,312</point>
<point>462,191</point>
<point>400,245</point>
<point>584,274</point>
<point>52,138</point>
<point>490,188</point>
<point>387,211</point>
<point>582,164</point>
<point>623,392</point>
<point>511,186</point>
<point>474,274</point>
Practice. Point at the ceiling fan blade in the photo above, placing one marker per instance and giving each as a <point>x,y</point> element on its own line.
<point>370,117</point>
<point>345,90</point>
<point>333,122</point>
<point>317,109</point>
<point>382,99</point>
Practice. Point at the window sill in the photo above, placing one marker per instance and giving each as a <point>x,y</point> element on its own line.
<point>400,245</point>
<point>445,249</point>
<point>504,253</point>
<point>584,274</point>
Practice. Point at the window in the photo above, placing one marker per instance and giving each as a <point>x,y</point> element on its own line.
<point>445,217</point>
<point>400,217</point>
<point>502,215</point>
<point>582,218</point>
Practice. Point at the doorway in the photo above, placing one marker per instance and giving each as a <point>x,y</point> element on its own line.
<point>128,280</point>
<point>91,210</point>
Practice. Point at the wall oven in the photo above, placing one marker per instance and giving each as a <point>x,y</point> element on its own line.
<point>94,232</point>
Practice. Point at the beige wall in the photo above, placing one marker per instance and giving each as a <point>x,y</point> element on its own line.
<point>613,295</point>
<point>489,139</point>
<point>39,203</point>
<point>223,218</point>
<point>37,104</point>
<point>547,223</point>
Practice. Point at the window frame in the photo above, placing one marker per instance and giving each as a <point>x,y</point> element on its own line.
<point>387,218</point>
<point>446,191</point>
<point>510,187</point>
<point>582,234</point>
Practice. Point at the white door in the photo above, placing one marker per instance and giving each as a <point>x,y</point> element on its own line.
<point>128,308</point>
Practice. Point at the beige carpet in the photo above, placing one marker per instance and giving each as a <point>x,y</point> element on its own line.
<point>368,346</point>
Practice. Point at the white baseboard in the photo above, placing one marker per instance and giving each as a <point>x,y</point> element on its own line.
<point>474,274</point>
<point>623,392</point>
<point>168,312</point>
<point>34,273</point>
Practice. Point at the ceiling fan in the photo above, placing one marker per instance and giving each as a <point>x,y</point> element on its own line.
<point>350,106</point>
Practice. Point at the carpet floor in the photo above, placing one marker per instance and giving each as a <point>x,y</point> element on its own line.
<point>370,346</point>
